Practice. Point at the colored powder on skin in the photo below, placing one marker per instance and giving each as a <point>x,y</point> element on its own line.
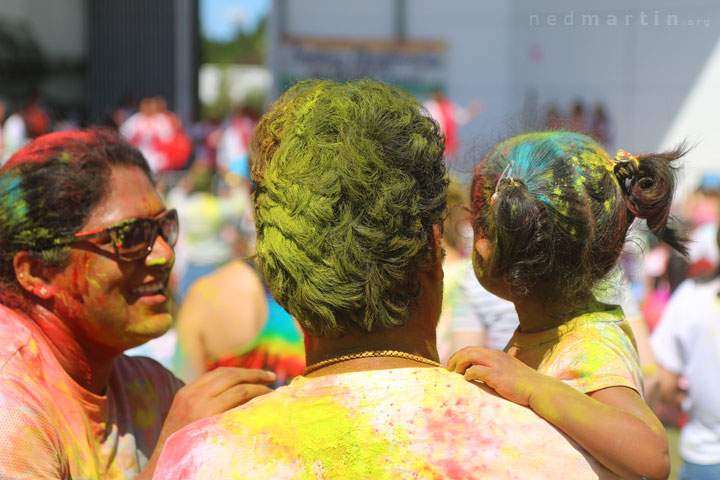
<point>156,262</point>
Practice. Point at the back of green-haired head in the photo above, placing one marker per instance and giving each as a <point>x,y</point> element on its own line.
<point>350,180</point>
<point>556,210</point>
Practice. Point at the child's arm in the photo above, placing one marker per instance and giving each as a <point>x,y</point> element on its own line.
<point>614,424</point>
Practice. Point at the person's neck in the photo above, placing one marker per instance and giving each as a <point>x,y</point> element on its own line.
<point>416,337</point>
<point>409,338</point>
<point>536,315</point>
<point>88,367</point>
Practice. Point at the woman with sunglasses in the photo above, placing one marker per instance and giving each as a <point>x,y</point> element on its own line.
<point>86,249</point>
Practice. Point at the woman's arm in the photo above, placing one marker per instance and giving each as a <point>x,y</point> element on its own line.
<point>614,425</point>
<point>213,393</point>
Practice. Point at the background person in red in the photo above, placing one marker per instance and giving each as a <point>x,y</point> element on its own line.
<point>86,248</point>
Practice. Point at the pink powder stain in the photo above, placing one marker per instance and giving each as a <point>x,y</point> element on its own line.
<point>456,471</point>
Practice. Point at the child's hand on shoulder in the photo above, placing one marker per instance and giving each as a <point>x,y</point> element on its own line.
<point>507,375</point>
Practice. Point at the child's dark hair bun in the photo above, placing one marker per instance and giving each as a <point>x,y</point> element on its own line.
<point>649,193</point>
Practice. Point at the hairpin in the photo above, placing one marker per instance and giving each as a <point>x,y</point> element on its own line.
<point>507,171</point>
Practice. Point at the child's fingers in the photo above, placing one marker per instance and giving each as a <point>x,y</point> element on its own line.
<point>452,362</point>
<point>462,359</point>
<point>478,372</point>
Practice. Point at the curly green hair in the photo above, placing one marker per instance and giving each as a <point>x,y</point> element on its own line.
<point>350,181</point>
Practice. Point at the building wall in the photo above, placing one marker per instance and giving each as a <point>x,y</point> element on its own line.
<point>130,51</point>
<point>644,69</point>
<point>58,26</point>
<point>96,51</point>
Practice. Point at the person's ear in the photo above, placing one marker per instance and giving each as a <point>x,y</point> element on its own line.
<point>438,253</point>
<point>483,247</point>
<point>33,276</point>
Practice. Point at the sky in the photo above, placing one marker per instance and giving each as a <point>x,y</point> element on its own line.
<point>220,19</point>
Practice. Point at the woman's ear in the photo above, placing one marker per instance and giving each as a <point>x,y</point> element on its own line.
<point>33,276</point>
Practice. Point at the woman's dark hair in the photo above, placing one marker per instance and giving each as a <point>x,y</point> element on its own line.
<point>556,209</point>
<point>48,189</point>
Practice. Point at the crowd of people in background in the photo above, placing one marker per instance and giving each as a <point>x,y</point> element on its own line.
<point>576,119</point>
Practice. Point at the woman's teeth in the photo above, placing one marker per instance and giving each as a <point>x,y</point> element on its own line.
<point>149,289</point>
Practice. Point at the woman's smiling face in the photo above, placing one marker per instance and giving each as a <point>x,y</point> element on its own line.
<point>114,304</point>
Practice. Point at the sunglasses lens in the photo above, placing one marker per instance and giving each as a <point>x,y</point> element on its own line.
<point>169,228</point>
<point>132,240</point>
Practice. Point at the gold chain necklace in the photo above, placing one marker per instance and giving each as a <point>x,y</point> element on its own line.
<point>374,353</point>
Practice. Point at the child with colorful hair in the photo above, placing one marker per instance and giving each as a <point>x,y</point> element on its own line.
<point>551,211</point>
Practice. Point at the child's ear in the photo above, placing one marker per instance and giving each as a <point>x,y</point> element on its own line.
<point>484,248</point>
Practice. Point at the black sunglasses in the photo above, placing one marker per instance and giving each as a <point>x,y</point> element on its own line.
<point>133,239</point>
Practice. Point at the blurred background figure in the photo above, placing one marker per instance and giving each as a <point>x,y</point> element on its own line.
<point>36,116</point>
<point>687,347</point>
<point>702,212</point>
<point>158,134</point>
<point>127,107</point>
<point>206,134</point>
<point>577,121</point>
<point>146,129</point>
<point>207,220</point>
<point>450,117</point>
<point>233,151</point>
<point>3,111</point>
<point>553,118</point>
<point>599,126</point>
<point>14,135</point>
<point>229,319</point>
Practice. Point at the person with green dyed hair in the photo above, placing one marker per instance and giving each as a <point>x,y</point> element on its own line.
<point>350,199</point>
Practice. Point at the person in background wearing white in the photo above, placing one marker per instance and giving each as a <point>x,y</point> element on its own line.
<point>687,342</point>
